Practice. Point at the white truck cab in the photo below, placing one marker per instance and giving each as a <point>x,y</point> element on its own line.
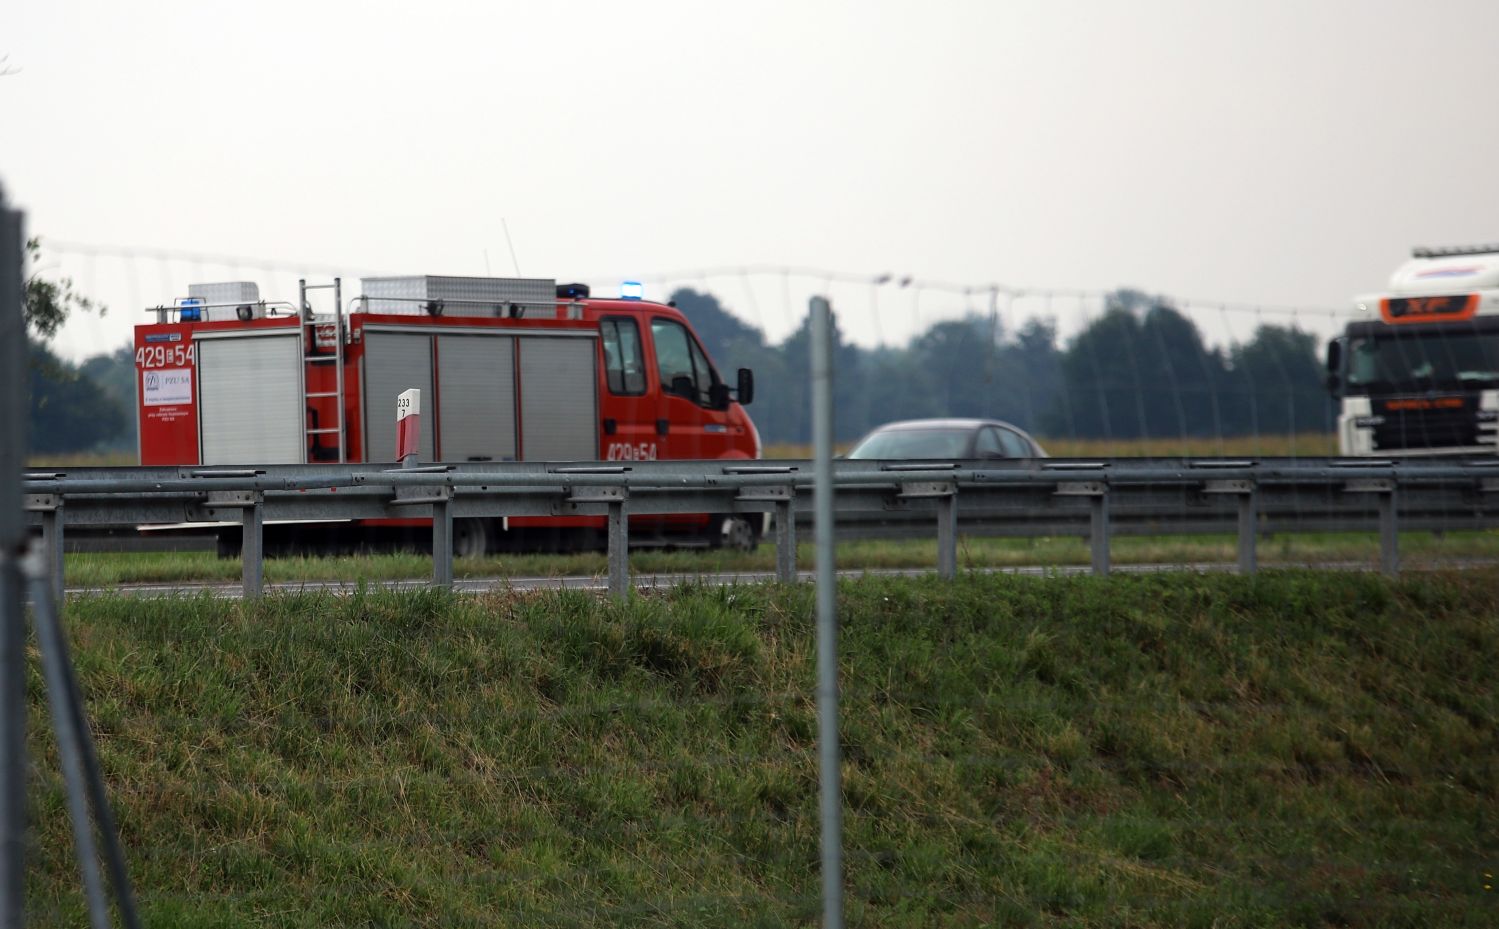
<point>1417,371</point>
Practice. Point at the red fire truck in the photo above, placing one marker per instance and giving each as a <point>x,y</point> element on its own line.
<point>510,369</point>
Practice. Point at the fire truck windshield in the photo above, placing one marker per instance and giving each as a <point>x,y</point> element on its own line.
<point>1403,360</point>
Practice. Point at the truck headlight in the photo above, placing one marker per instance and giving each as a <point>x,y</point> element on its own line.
<point>1368,422</point>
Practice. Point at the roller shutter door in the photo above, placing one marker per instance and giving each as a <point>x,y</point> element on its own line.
<point>559,398</point>
<point>251,407</point>
<point>477,404</point>
<point>393,362</point>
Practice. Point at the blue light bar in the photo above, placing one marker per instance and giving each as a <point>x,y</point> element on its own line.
<point>632,290</point>
<point>190,309</point>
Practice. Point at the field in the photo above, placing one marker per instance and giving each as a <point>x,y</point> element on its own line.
<point>1291,749</point>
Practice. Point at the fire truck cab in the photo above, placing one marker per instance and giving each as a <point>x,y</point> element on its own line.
<point>1418,374</point>
<point>510,369</point>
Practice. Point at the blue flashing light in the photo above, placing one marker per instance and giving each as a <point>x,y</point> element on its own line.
<point>190,310</point>
<point>632,290</point>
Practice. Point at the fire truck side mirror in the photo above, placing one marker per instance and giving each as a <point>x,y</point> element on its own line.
<point>746,386</point>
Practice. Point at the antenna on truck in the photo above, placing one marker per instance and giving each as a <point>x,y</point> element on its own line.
<point>511,245</point>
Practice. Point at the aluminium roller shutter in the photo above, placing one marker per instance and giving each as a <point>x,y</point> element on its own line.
<point>394,362</point>
<point>559,398</point>
<point>477,404</point>
<point>250,400</point>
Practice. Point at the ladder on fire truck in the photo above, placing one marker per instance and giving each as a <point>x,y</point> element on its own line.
<point>324,330</point>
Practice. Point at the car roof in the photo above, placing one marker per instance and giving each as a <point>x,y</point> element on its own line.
<point>911,424</point>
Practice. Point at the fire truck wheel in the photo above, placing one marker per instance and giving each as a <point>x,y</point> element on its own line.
<point>735,533</point>
<point>470,538</point>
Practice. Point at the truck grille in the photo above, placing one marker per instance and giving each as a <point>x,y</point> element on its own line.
<point>1427,422</point>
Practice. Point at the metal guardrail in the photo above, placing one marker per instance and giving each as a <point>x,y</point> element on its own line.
<point>1097,499</point>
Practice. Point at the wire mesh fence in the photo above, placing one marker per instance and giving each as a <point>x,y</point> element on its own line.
<point>1287,748</point>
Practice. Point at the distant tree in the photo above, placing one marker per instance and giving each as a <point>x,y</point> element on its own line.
<point>958,361</point>
<point>68,412</point>
<point>1139,370</point>
<point>49,302</point>
<point>719,329</point>
<point>115,374</point>
<point>1276,384</point>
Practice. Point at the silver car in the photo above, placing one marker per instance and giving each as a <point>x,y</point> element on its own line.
<point>947,439</point>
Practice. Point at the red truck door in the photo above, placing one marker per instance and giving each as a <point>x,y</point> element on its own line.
<point>628,427</point>
<point>693,429</point>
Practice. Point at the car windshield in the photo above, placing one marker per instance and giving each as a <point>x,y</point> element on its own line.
<point>914,443</point>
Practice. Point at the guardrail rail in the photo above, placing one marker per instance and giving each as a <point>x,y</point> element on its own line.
<point>1046,497</point>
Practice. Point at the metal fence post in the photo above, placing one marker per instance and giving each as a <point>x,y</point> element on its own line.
<point>830,775</point>
<point>619,550</point>
<point>12,540</point>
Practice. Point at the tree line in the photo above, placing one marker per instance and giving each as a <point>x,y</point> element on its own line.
<point>1142,369</point>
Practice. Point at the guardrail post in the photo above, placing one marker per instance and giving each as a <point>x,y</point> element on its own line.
<point>442,543</point>
<point>1248,537</point>
<point>619,550</point>
<point>947,536</point>
<point>1389,530</point>
<point>614,498</point>
<point>785,542</point>
<point>946,495</point>
<point>1099,532</point>
<point>252,546</point>
<point>1389,536</point>
<point>1097,493</point>
<point>1248,515</point>
<point>50,508</point>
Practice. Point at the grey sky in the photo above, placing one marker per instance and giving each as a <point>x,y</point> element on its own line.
<point>1285,153</point>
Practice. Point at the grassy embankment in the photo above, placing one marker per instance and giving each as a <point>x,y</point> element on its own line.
<point>1289,749</point>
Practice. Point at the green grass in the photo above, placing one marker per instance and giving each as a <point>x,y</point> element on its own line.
<point>1291,749</point>
<point>1417,549</point>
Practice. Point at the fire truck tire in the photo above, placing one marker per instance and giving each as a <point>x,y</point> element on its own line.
<point>471,538</point>
<point>229,543</point>
<point>733,532</point>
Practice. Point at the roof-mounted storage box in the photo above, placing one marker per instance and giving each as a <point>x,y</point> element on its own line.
<point>429,295</point>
